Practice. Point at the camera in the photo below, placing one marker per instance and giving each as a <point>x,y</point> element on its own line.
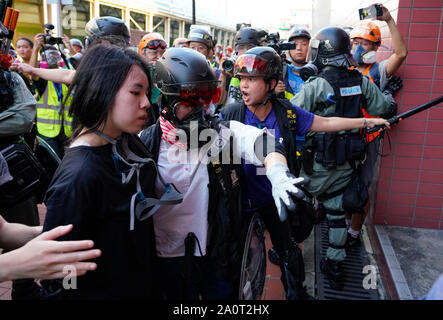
<point>273,40</point>
<point>228,65</point>
<point>48,38</point>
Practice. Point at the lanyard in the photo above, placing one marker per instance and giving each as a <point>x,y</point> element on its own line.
<point>58,89</point>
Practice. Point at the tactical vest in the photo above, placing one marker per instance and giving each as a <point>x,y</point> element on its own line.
<point>51,115</point>
<point>373,73</point>
<point>334,148</point>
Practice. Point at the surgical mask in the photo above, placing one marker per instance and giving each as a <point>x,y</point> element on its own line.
<point>361,56</point>
<point>138,202</point>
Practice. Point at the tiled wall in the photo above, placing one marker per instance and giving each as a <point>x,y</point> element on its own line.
<point>410,189</point>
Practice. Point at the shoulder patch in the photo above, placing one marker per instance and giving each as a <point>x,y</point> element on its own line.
<point>350,91</point>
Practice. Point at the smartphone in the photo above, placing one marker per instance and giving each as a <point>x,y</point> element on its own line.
<point>373,11</point>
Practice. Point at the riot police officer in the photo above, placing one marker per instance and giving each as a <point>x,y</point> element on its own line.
<point>336,91</point>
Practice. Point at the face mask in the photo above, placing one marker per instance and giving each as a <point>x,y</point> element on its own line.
<point>361,56</point>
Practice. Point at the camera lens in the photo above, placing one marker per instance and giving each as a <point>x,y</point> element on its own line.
<point>228,65</point>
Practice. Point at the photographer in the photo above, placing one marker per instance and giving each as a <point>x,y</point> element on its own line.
<point>292,81</point>
<point>53,122</point>
<point>365,41</point>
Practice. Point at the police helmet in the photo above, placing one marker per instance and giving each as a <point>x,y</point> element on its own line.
<point>331,46</point>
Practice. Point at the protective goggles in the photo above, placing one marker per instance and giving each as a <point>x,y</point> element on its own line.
<point>196,93</point>
<point>154,44</point>
<point>250,65</point>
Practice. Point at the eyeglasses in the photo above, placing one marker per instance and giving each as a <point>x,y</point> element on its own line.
<point>154,44</point>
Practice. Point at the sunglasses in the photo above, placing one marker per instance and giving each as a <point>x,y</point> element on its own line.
<point>154,44</point>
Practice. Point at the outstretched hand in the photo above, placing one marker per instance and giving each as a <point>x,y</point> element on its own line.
<point>285,189</point>
<point>45,258</point>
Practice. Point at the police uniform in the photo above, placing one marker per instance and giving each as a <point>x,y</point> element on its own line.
<point>318,97</point>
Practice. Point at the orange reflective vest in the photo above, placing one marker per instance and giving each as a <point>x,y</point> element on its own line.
<point>369,136</point>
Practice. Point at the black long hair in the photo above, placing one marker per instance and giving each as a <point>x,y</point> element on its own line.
<point>100,74</point>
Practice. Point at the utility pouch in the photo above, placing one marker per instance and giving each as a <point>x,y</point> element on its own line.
<point>319,148</point>
<point>355,147</point>
<point>341,150</point>
<point>330,142</point>
<point>356,195</point>
<point>308,157</point>
<point>27,173</point>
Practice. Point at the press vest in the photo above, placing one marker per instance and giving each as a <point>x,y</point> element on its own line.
<point>51,115</point>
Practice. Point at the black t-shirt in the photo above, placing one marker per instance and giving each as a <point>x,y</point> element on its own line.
<point>87,191</point>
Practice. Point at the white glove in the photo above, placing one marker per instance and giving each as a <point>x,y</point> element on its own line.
<point>284,187</point>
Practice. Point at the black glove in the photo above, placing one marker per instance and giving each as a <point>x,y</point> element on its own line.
<point>393,85</point>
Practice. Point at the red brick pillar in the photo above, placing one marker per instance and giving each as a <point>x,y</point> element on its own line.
<point>410,188</point>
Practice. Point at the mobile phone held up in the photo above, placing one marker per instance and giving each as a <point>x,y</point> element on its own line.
<point>373,11</point>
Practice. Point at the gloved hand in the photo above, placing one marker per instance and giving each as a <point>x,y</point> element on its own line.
<point>393,85</point>
<point>284,187</point>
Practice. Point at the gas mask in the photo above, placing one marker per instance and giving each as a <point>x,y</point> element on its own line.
<point>52,58</point>
<point>361,56</point>
<point>192,124</point>
<point>126,164</point>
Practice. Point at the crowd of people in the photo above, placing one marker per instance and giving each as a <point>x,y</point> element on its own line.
<point>168,153</point>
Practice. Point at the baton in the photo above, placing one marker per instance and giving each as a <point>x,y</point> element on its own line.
<point>407,114</point>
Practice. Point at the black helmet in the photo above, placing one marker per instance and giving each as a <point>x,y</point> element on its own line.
<point>185,74</point>
<point>247,36</point>
<point>299,33</point>
<point>108,28</point>
<point>331,46</point>
<point>259,62</point>
<point>202,36</point>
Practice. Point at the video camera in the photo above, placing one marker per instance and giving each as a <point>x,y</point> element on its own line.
<point>273,40</point>
<point>48,38</point>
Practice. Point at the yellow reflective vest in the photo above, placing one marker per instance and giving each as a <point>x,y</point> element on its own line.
<point>51,115</point>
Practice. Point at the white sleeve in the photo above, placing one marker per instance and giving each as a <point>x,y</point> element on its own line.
<point>245,138</point>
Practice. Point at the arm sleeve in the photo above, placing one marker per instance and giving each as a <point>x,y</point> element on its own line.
<point>252,143</point>
<point>305,98</point>
<point>304,121</point>
<point>19,117</point>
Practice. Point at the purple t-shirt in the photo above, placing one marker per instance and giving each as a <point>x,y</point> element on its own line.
<point>258,189</point>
